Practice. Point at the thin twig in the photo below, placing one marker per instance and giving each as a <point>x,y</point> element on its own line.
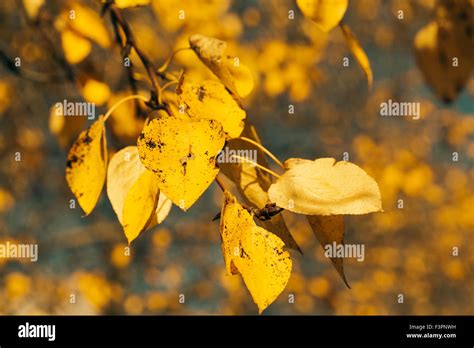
<point>264,149</point>
<point>257,165</point>
<point>263,214</point>
<point>117,17</point>
<point>116,105</point>
<point>220,184</point>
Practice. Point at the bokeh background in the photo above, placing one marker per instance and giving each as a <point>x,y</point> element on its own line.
<point>407,251</point>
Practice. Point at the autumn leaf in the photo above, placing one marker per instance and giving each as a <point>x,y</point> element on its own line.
<point>253,184</point>
<point>75,47</point>
<point>95,91</point>
<point>131,3</point>
<point>255,253</point>
<point>358,52</point>
<point>182,153</point>
<point>436,49</point>
<point>140,204</point>
<point>88,23</point>
<point>163,208</point>
<point>325,13</point>
<point>87,165</point>
<point>32,7</point>
<point>210,100</point>
<point>233,74</point>
<point>329,229</point>
<point>125,174</point>
<point>324,187</point>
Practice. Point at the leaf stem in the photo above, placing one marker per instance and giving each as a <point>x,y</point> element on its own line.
<point>123,100</point>
<point>220,183</point>
<point>167,62</point>
<point>264,149</point>
<point>269,171</point>
<point>166,85</point>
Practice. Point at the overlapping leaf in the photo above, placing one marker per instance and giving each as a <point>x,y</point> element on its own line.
<point>253,183</point>
<point>329,229</point>
<point>255,253</point>
<point>182,153</point>
<point>87,165</point>
<point>134,193</point>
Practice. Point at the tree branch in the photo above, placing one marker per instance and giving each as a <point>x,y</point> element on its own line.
<point>118,20</point>
<point>263,214</point>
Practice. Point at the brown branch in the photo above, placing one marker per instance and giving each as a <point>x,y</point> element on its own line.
<point>263,214</point>
<point>125,54</point>
<point>119,20</point>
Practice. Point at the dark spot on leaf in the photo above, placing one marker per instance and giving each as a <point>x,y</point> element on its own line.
<point>201,93</point>
<point>87,139</point>
<point>151,144</point>
<point>71,161</point>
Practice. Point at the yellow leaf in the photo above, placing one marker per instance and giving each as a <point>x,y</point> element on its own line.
<point>182,153</point>
<point>233,74</point>
<point>131,3</point>
<point>253,184</point>
<point>163,208</point>
<point>124,171</point>
<point>324,187</point>
<point>255,253</point>
<point>329,229</point>
<point>358,52</point>
<point>140,204</point>
<point>75,47</point>
<point>95,91</point>
<point>325,13</point>
<point>87,165</point>
<point>87,23</point>
<point>32,7</point>
<point>210,100</point>
<point>243,78</point>
<point>436,51</point>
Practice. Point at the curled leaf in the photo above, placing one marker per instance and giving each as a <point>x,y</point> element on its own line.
<point>140,204</point>
<point>125,172</point>
<point>87,165</point>
<point>437,50</point>
<point>358,52</point>
<point>324,187</point>
<point>329,229</point>
<point>253,252</point>
<point>233,74</point>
